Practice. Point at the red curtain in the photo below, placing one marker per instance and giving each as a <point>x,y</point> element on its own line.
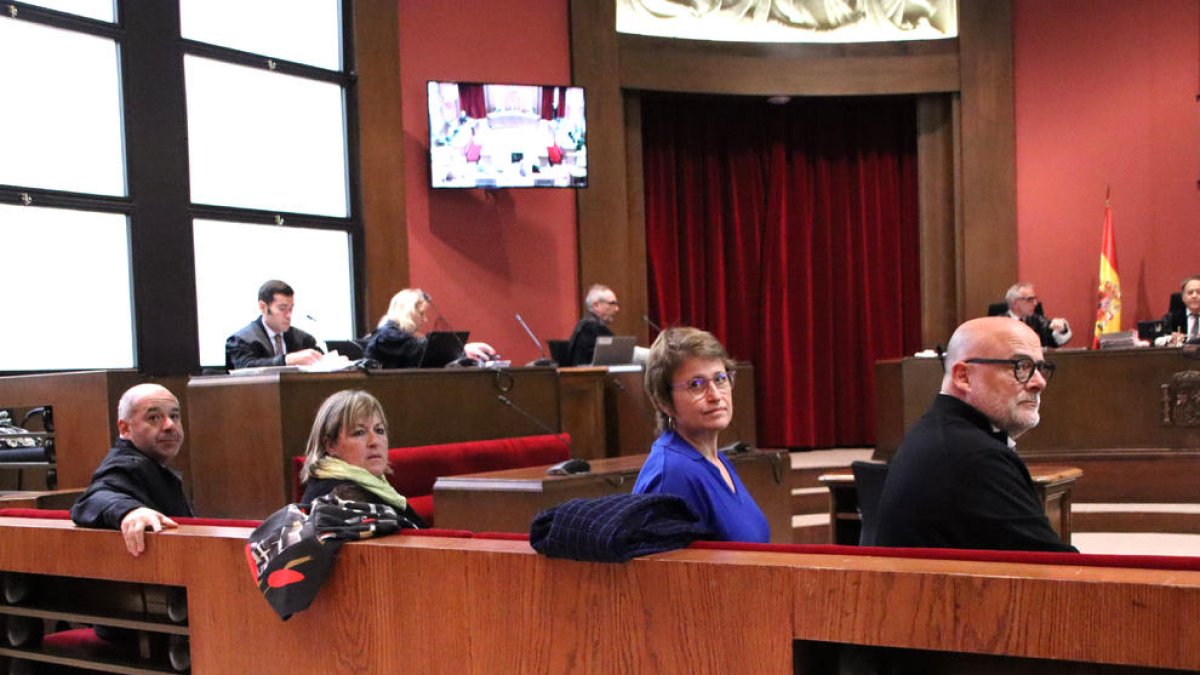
<point>551,110</point>
<point>790,232</point>
<point>470,97</point>
<point>547,102</point>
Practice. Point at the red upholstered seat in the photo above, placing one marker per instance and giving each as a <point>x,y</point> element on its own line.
<point>416,468</point>
<point>423,505</point>
<point>63,514</point>
<point>79,640</point>
<point>45,514</point>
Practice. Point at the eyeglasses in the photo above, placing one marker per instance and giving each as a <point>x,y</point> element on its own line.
<point>698,386</point>
<point>609,302</point>
<point>1028,298</point>
<point>1022,368</point>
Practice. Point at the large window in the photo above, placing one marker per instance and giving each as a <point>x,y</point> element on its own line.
<point>162,159</point>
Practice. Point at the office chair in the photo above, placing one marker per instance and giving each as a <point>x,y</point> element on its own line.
<point>868,479</point>
<point>558,351</point>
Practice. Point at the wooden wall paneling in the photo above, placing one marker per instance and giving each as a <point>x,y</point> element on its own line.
<point>939,255</point>
<point>237,432</point>
<point>608,248</point>
<point>85,415</point>
<point>988,152</point>
<point>381,155</point>
<point>665,64</point>
<point>636,190</point>
<point>581,408</point>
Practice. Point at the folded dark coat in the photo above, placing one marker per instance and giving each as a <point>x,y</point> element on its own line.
<point>615,528</point>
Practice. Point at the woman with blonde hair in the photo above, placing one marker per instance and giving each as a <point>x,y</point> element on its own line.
<point>399,341</point>
<point>347,455</point>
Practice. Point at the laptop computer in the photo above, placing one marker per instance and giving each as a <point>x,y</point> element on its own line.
<point>442,347</point>
<point>614,350</point>
<point>1148,330</point>
<point>350,349</point>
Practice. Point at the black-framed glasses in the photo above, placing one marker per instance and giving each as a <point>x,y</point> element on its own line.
<point>698,386</point>
<point>1022,368</point>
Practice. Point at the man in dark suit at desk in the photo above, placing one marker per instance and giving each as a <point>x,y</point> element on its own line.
<point>271,340</point>
<point>956,480</point>
<point>1022,302</point>
<point>600,308</point>
<point>1182,322</point>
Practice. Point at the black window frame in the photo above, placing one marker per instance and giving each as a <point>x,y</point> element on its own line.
<point>158,206</point>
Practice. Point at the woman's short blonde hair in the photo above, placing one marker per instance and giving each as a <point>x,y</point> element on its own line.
<point>672,347</point>
<point>340,411</point>
<point>404,309</point>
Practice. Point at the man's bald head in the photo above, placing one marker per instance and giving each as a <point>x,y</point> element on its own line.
<point>148,416</point>
<point>992,388</point>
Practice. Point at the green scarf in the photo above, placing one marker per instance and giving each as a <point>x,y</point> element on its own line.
<point>332,467</point>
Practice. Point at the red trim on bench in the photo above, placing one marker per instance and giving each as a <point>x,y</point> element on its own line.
<point>1158,562</point>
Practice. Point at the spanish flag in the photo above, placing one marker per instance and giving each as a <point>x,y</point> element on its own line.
<point>1108,306</point>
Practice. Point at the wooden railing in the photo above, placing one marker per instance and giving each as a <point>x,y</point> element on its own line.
<point>433,604</point>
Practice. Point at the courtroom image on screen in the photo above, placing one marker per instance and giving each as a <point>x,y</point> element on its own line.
<point>506,135</point>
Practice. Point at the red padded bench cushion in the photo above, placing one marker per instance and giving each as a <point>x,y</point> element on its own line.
<point>63,514</point>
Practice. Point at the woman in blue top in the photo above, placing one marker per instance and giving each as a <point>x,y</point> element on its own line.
<point>689,378</point>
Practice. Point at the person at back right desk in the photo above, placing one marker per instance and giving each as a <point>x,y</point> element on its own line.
<point>1183,323</point>
<point>956,480</point>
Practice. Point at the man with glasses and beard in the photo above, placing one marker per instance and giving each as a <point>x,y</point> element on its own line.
<point>956,480</point>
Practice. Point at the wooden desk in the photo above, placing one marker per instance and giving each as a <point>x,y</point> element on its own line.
<point>1103,412</point>
<point>85,415</point>
<point>245,430</point>
<point>1053,485</point>
<point>507,501</point>
<point>611,409</point>
<point>440,605</point>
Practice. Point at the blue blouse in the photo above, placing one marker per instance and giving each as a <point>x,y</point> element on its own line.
<point>675,467</point>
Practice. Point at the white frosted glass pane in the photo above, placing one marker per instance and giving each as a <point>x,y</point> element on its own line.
<point>304,31</point>
<point>67,290</point>
<point>104,10</point>
<point>234,259</point>
<point>264,140</point>
<point>61,110</point>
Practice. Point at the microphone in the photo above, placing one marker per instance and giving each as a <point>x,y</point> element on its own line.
<point>321,346</point>
<point>544,361</point>
<point>651,324</point>
<point>540,424</point>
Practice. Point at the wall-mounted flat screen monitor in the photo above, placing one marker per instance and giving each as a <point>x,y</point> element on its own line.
<point>506,135</point>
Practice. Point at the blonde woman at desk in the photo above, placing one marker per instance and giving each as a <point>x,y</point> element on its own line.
<point>400,339</point>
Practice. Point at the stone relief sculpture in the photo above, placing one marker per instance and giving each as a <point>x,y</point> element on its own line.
<point>790,20</point>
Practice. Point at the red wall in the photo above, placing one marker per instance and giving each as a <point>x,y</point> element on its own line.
<point>485,255</point>
<point>1106,96</point>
